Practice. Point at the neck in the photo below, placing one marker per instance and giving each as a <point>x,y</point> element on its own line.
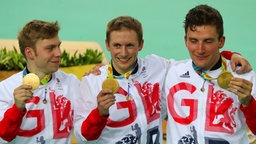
<point>217,64</point>
<point>134,69</point>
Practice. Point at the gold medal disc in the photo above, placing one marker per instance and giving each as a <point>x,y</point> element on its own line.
<point>224,79</point>
<point>110,83</point>
<point>31,79</point>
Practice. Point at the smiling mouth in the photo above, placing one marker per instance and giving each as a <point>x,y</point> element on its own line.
<point>55,62</point>
<point>123,60</point>
<point>201,57</point>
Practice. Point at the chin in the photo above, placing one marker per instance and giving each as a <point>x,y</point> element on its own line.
<point>55,69</point>
<point>200,64</point>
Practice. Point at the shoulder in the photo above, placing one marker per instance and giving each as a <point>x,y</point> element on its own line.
<point>14,79</point>
<point>65,76</point>
<point>154,60</point>
<point>181,63</point>
<point>154,57</point>
<point>8,85</point>
<point>94,77</point>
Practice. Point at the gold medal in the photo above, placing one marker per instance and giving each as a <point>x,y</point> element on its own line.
<point>224,79</point>
<point>202,89</point>
<point>32,79</point>
<point>110,83</point>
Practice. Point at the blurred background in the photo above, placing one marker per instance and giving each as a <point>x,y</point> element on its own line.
<point>86,20</point>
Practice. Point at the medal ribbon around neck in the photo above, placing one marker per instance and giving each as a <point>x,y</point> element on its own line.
<point>125,75</point>
<point>224,73</point>
<point>43,81</point>
<point>204,75</point>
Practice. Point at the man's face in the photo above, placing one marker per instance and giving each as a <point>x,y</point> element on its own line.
<point>123,46</point>
<point>203,46</point>
<point>45,59</point>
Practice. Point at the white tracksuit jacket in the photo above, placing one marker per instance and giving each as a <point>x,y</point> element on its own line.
<point>130,121</point>
<point>196,117</point>
<point>49,123</point>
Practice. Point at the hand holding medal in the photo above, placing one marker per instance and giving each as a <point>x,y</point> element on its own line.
<point>110,83</point>
<point>224,79</point>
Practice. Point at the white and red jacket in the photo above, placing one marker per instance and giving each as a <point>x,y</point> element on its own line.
<point>39,123</point>
<point>214,115</point>
<point>129,121</point>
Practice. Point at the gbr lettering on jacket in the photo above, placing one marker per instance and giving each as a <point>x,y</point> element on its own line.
<point>61,116</point>
<point>149,94</point>
<point>220,109</point>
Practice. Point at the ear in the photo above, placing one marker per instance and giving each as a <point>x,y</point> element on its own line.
<point>185,40</point>
<point>30,53</point>
<point>221,42</point>
<point>141,44</point>
<point>107,44</point>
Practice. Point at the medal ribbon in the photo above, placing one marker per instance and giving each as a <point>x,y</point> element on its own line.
<point>43,81</point>
<point>204,75</point>
<point>125,75</point>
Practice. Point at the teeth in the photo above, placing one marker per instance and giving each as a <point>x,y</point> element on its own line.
<point>123,60</point>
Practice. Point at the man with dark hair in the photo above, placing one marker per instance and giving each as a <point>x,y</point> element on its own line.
<point>203,93</point>
<point>132,114</point>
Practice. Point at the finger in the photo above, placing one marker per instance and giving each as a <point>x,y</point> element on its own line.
<point>86,73</point>
<point>108,97</point>
<point>233,66</point>
<point>243,95</point>
<point>242,69</point>
<point>235,85</point>
<point>249,68</point>
<point>104,104</point>
<point>106,92</point>
<point>241,81</point>
<point>24,86</point>
<point>108,102</point>
<point>245,67</point>
<point>23,96</point>
<point>97,72</point>
<point>241,89</point>
<point>103,96</point>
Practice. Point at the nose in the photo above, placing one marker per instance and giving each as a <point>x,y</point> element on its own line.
<point>201,47</point>
<point>57,52</point>
<point>124,51</point>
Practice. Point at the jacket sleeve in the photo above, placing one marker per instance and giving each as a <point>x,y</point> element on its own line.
<point>250,113</point>
<point>88,123</point>
<point>93,125</point>
<point>227,54</point>
<point>10,123</point>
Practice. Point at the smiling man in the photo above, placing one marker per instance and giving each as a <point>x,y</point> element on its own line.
<point>132,114</point>
<point>204,107</point>
<point>43,115</point>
